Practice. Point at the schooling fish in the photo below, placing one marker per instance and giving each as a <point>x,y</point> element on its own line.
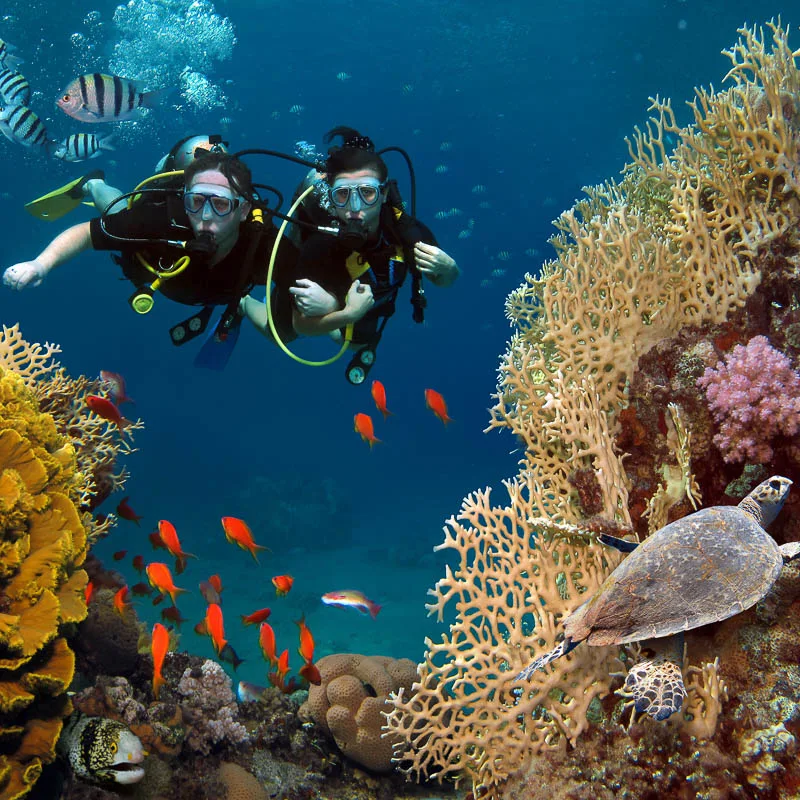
<point>159,645</point>
<point>7,57</point>
<point>124,511</point>
<point>161,579</point>
<point>283,584</point>
<point>350,598</point>
<point>266,641</point>
<point>363,426</point>
<point>215,627</point>
<point>82,146</point>
<point>14,88</point>
<point>379,396</point>
<point>435,402</point>
<point>257,617</point>
<point>104,408</point>
<point>21,125</point>
<point>237,532</point>
<point>95,97</point>
<point>168,534</point>
<point>101,750</point>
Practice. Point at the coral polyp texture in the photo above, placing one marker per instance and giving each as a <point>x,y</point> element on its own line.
<point>656,278</point>
<point>43,543</point>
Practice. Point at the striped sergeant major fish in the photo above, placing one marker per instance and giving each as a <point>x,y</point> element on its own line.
<point>19,124</point>
<point>82,146</point>
<point>7,59</point>
<point>14,89</point>
<point>95,97</point>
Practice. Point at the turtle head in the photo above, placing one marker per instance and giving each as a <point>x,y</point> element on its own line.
<point>766,500</point>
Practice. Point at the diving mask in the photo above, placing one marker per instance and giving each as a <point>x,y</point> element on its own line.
<point>366,192</point>
<point>195,202</point>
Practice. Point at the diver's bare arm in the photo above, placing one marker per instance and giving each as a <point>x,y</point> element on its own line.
<point>68,244</point>
<point>317,326</point>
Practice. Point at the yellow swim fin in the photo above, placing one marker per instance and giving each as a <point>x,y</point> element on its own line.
<point>61,201</point>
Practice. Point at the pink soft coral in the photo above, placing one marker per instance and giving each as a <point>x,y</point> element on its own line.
<point>753,396</point>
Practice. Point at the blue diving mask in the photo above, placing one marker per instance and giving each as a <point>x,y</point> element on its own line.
<point>366,192</point>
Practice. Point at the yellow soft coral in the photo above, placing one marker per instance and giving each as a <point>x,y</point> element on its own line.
<point>43,543</point>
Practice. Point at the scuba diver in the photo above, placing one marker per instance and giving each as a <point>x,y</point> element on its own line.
<point>353,278</point>
<point>204,243</point>
<point>92,189</point>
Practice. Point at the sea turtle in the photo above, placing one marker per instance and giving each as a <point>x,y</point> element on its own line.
<point>705,567</point>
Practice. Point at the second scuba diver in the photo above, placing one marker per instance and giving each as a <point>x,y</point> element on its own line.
<point>353,278</point>
<point>200,246</point>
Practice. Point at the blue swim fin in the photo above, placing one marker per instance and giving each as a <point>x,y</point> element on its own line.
<point>215,350</point>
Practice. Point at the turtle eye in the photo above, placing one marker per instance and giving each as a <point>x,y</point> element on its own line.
<point>113,748</point>
<point>775,484</point>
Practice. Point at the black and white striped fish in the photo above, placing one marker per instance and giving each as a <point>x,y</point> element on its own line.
<point>14,88</point>
<point>21,125</point>
<point>95,97</point>
<point>82,146</point>
<point>7,59</point>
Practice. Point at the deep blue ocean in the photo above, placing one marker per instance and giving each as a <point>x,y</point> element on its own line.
<point>530,101</point>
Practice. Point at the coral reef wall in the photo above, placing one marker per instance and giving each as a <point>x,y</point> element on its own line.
<point>46,489</point>
<point>657,276</point>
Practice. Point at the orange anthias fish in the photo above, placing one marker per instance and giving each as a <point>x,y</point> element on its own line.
<point>379,396</point>
<point>116,386</point>
<point>266,641</point>
<point>257,617</point>
<point>88,592</point>
<point>350,598</point>
<point>237,532</point>
<point>363,426</point>
<point>215,627</point>
<point>436,403</point>
<point>124,511</point>
<point>161,578</point>
<point>104,408</point>
<point>120,603</point>
<point>158,648</point>
<point>283,584</point>
<point>168,534</point>
<point>306,650</point>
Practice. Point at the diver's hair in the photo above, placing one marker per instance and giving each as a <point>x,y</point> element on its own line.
<point>356,152</point>
<point>235,171</point>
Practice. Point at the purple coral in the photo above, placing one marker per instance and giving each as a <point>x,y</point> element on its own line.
<point>210,707</point>
<point>753,396</point>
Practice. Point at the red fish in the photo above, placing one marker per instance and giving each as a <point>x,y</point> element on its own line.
<point>141,589</point>
<point>104,408</point>
<point>88,592</point>
<point>363,426</point>
<point>210,594</point>
<point>379,396</point>
<point>172,614</point>
<point>435,402</point>
<point>161,578</point>
<point>266,641</point>
<point>311,673</point>
<point>119,555</point>
<point>120,603</point>
<point>124,511</point>
<point>216,627</point>
<point>158,647</point>
<point>156,541</point>
<point>158,599</point>
<point>306,649</point>
<point>257,617</point>
<point>237,532</point>
<point>116,386</point>
<point>216,582</point>
<point>138,564</point>
<point>282,584</point>
<point>168,534</point>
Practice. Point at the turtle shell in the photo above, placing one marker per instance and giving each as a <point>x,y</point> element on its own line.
<point>703,568</point>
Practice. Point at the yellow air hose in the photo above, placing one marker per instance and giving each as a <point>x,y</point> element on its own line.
<point>273,330</point>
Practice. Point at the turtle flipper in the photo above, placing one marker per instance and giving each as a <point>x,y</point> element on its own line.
<point>790,551</point>
<point>559,650</point>
<point>657,687</point>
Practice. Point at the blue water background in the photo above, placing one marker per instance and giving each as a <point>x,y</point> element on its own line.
<point>535,101</point>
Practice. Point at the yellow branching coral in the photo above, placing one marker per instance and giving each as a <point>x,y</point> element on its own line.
<point>45,478</point>
<point>673,244</point>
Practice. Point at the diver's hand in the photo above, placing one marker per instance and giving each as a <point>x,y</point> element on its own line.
<point>359,300</point>
<point>24,274</point>
<point>311,299</point>
<point>435,264</point>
